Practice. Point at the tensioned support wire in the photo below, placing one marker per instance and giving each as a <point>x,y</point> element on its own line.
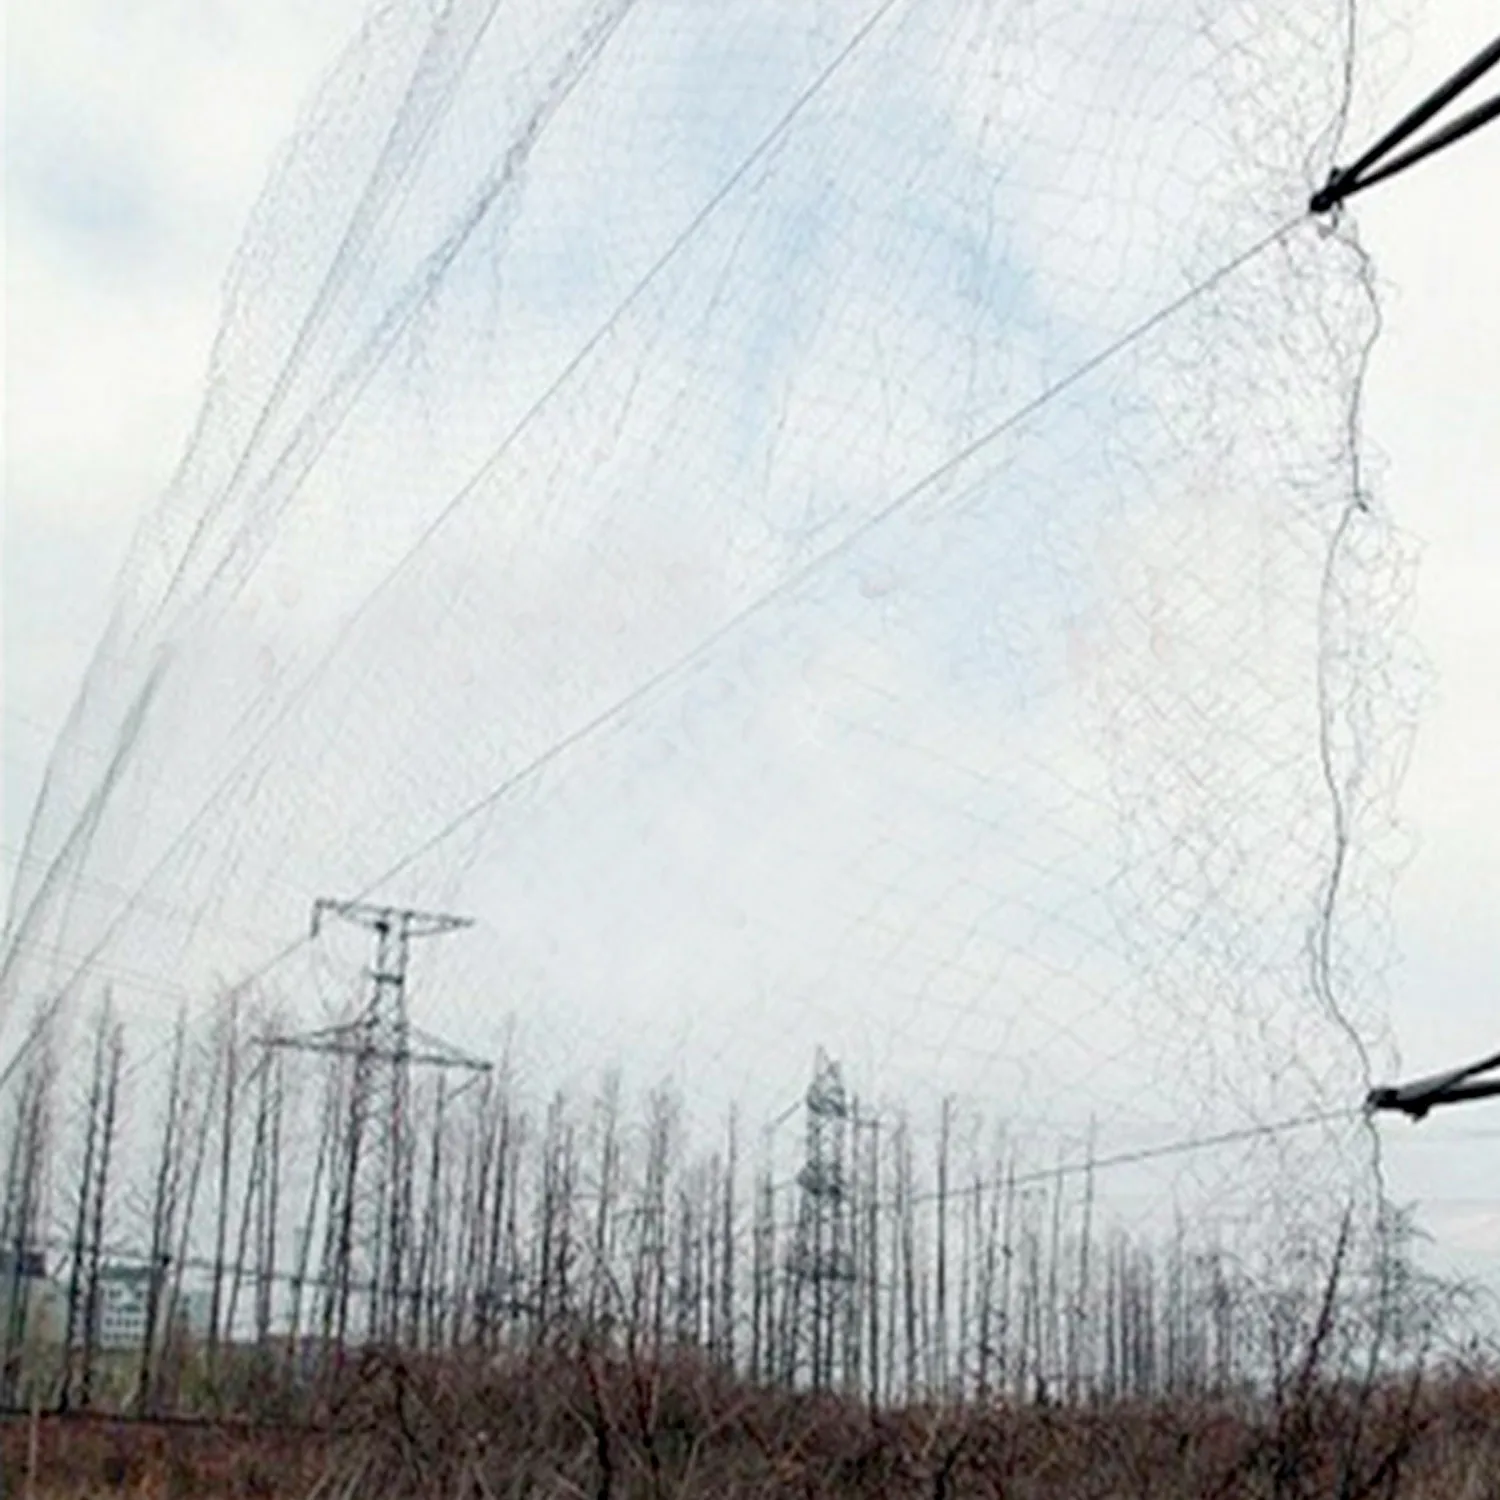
<point>783,587</point>
<point>1086,1166</point>
<point>790,582</point>
<point>707,644</point>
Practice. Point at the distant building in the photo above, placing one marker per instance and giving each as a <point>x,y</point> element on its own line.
<point>193,1305</point>
<point>123,1294</point>
<point>32,1265</point>
<point>30,1303</point>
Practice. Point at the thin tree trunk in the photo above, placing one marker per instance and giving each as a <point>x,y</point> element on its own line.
<point>99,1209</point>
<point>230,1049</point>
<point>908,1262</point>
<point>726,1349</point>
<point>940,1339</point>
<point>76,1271</point>
<point>189,1203</point>
<point>163,1212</point>
<point>303,1241</point>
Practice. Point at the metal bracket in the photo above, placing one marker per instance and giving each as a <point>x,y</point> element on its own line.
<point>1423,1094</point>
<point>1377,163</point>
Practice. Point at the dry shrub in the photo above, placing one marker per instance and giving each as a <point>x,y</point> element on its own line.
<point>609,1428</point>
<point>582,1423</point>
<point>82,1458</point>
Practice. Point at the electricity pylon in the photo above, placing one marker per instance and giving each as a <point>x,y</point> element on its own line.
<point>370,1191</point>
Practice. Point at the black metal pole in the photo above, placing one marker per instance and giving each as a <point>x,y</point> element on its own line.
<point>1345,181</point>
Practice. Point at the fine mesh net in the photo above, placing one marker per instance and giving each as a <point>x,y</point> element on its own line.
<point>818,530</point>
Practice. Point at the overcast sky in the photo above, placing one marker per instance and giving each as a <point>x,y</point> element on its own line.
<point>138,138</point>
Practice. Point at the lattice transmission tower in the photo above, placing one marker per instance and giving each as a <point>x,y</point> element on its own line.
<point>821,1272</point>
<point>367,1229</point>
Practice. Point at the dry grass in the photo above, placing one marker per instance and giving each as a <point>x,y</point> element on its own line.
<point>609,1430</point>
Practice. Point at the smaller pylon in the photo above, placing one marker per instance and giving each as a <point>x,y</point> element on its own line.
<point>821,1274</point>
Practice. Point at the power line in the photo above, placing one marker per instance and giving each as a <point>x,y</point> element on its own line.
<point>1037,1177</point>
<point>169,911</point>
<point>1089,1165</point>
<point>136,979</point>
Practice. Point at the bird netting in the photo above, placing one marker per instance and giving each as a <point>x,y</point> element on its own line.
<point>816,526</point>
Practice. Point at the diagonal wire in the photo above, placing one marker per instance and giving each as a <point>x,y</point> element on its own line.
<point>790,582</point>
<point>1187,1145</point>
<point>1087,1166</point>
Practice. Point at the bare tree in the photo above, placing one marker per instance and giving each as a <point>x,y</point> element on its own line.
<point>940,1376</point>
<point>74,1341</point>
<point>164,1203</point>
<point>99,1208</point>
<point>229,1069</point>
<point>21,1214</point>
